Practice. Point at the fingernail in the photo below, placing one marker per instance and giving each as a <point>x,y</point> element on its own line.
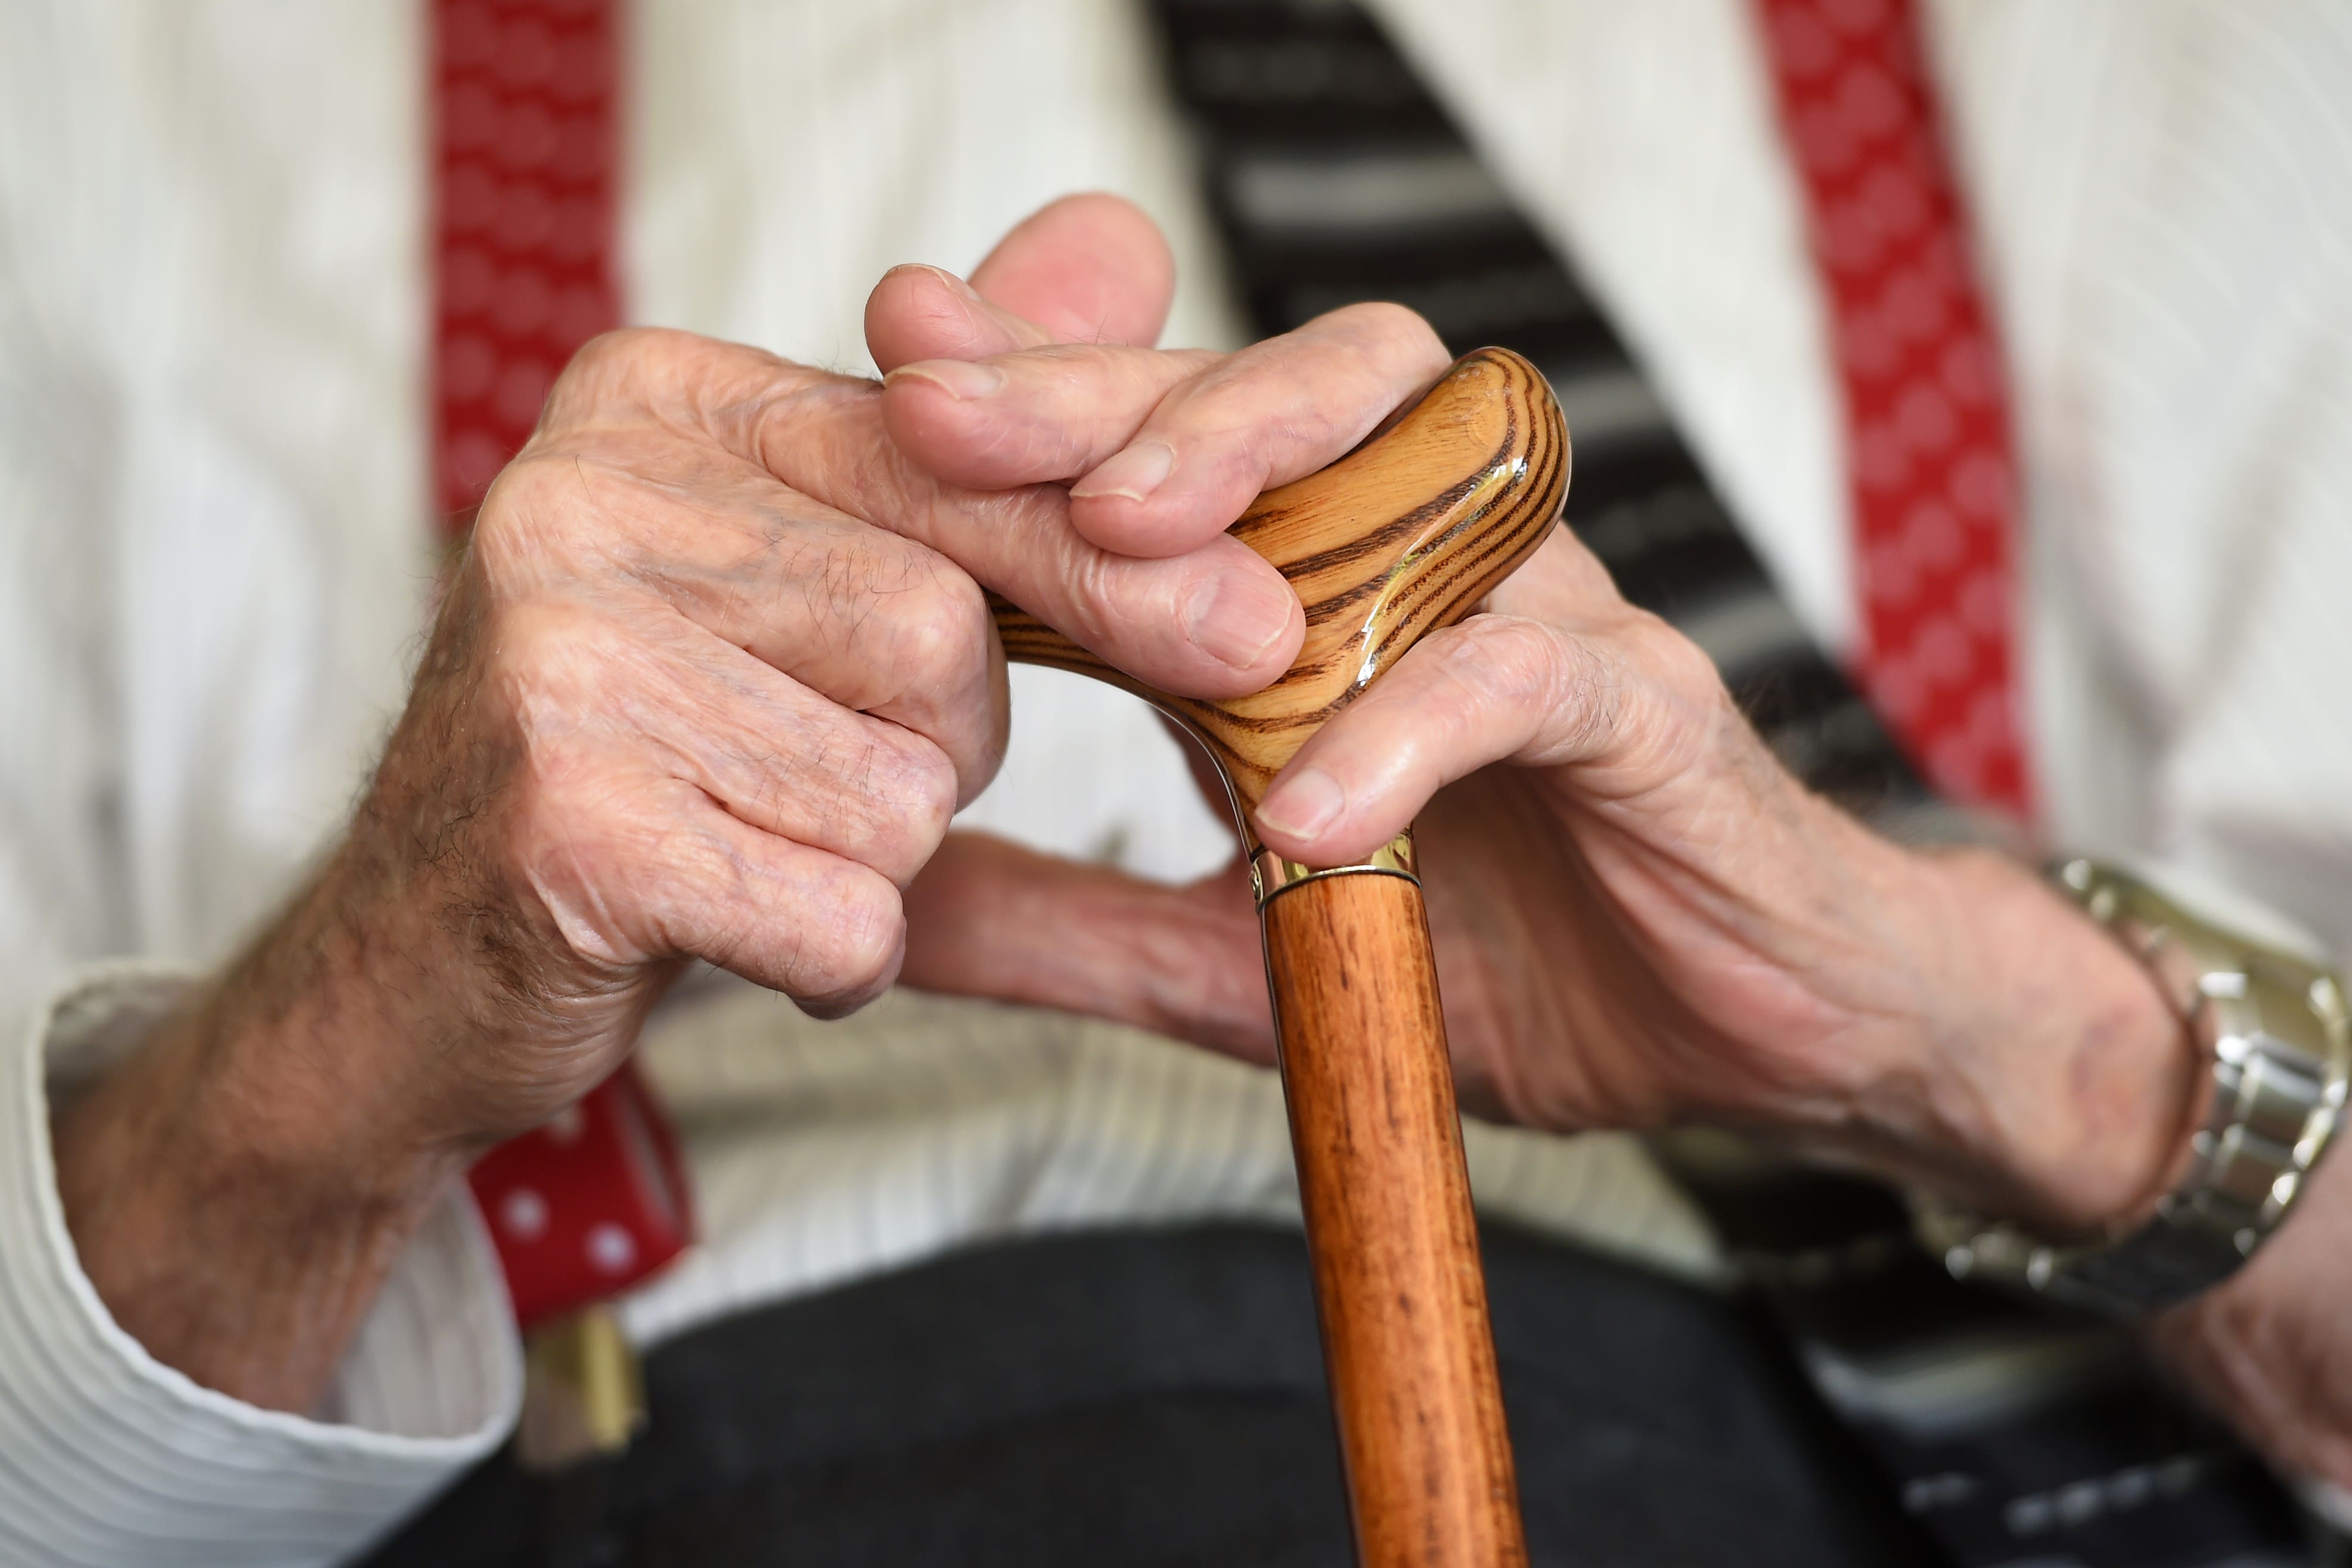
<point>953,282</point>
<point>1303,804</point>
<point>1235,617</point>
<point>1133,473</point>
<point>959,379</point>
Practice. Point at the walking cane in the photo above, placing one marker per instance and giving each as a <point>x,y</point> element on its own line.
<point>1402,536</point>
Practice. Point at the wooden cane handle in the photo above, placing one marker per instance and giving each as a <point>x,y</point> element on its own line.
<point>1402,536</point>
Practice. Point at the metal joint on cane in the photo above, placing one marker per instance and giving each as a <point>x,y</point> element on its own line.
<point>1403,536</point>
<point>1270,873</point>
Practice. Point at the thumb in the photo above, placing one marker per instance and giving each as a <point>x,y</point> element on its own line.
<point>990,918</point>
<point>1085,269</point>
<point>1091,268</point>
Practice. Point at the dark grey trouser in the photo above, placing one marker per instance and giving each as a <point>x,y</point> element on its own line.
<point>1156,1397</point>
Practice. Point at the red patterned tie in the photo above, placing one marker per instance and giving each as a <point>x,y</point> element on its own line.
<point>525,134</point>
<point>525,144</point>
<point>1933,485</point>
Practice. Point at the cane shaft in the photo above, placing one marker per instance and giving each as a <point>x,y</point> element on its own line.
<point>1402,536</point>
<point>1398,1285</point>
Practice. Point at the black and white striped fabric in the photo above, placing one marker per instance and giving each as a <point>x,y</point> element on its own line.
<point>2013,1434</point>
<point>1337,179</point>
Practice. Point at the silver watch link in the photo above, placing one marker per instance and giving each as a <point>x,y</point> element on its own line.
<point>2272,1026</point>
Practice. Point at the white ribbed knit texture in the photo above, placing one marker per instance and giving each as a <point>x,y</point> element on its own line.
<point>824,1151</point>
<point>108,1457</point>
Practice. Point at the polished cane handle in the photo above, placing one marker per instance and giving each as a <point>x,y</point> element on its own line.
<point>1402,535</point>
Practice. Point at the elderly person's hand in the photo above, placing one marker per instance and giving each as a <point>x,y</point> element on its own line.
<point>709,682</point>
<point>1641,917</point>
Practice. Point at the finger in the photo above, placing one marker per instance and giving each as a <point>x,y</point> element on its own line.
<point>872,621</point>
<point>661,378</point>
<point>1167,448</point>
<point>1612,692</point>
<point>919,312</point>
<point>1086,269</point>
<point>1277,410</point>
<point>1041,416</point>
<point>639,867</point>
<point>989,918</point>
<point>1217,621</point>
<point>1089,268</point>
<point>1493,688</point>
<point>778,756</point>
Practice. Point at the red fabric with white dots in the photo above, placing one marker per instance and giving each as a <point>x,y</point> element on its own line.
<point>525,162</point>
<point>589,1203</point>
<point>525,152</point>
<point>1928,425</point>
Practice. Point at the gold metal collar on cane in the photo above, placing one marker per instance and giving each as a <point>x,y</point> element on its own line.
<point>1271,874</point>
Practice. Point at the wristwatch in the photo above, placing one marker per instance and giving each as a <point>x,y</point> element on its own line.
<point>2272,1023</point>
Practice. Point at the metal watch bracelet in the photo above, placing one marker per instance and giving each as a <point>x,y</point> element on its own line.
<point>2274,1028</point>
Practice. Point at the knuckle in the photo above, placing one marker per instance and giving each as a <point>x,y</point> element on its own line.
<point>1675,667</point>
<point>531,518</point>
<point>666,371</point>
<point>605,368</point>
<point>1642,693</point>
<point>1399,329</point>
<point>556,673</point>
<point>887,806</point>
<point>849,950</point>
<point>917,791</point>
<point>608,355</point>
<point>877,795</point>
<point>618,362</point>
<point>546,654</point>
<point>1505,658</point>
<point>566,794</point>
<point>1549,681</point>
<point>1686,688</point>
<point>521,493</point>
<point>938,625</point>
<point>576,847</point>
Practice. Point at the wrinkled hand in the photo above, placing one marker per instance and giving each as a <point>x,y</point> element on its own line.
<point>722,670</point>
<point>1641,917</point>
<point>707,683</point>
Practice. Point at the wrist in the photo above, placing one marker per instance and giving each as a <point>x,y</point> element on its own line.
<point>232,1243</point>
<point>2266,1347</point>
<point>239,1189</point>
<point>388,1019</point>
<point>2047,1078</point>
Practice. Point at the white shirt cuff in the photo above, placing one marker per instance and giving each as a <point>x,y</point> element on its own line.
<point>108,1457</point>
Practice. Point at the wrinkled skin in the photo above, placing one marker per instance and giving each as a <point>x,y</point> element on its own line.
<point>1640,917</point>
<point>709,682</point>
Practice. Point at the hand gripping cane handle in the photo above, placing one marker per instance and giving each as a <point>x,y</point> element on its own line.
<point>1404,535</point>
